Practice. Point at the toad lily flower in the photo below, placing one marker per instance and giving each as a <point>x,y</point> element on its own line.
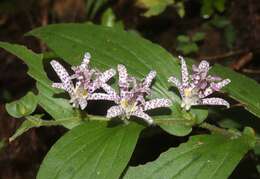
<point>87,81</point>
<point>195,88</point>
<point>131,101</point>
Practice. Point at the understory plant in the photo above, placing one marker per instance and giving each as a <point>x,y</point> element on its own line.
<point>139,85</point>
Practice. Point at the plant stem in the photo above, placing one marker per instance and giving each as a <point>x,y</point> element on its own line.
<point>218,130</point>
<point>173,122</point>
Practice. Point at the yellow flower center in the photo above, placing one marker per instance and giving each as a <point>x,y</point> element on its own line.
<point>124,103</point>
<point>187,92</point>
<point>81,92</point>
<point>128,106</point>
<point>84,93</point>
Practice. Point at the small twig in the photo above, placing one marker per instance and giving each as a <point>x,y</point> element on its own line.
<point>251,71</point>
<point>175,121</point>
<point>225,55</point>
<point>44,18</point>
<point>242,61</point>
<point>237,105</point>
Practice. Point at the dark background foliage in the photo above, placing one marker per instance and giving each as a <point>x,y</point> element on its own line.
<point>229,36</point>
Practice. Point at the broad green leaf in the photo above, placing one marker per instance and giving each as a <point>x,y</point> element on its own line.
<point>202,157</point>
<point>36,121</point>
<point>154,7</point>
<point>91,150</point>
<point>22,107</point>
<point>70,41</point>
<point>241,88</point>
<point>57,108</point>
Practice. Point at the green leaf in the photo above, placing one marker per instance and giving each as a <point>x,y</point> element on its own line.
<point>180,9</point>
<point>36,121</point>
<point>108,18</point>
<point>207,8</point>
<point>188,48</point>
<point>22,107</point>
<point>198,36</point>
<point>183,121</point>
<point>154,7</point>
<point>91,150</point>
<point>203,157</point>
<point>219,21</point>
<point>70,41</point>
<point>219,5</point>
<point>241,88</point>
<point>57,108</point>
<point>33,60</point>
<point>183,38</point>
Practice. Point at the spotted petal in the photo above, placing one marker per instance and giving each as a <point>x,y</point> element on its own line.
<point>122,72</point>
<point>100,82</point>
<point>115,111</point>
<point>177,83</point>
<point>214,101</point>
<point>108,89</point>
<point>219,85</point>
<point>149,79</point>
<point>107,75</point>
<point>102,96</point>
<point>63,75</point>
<point>58,85</point>
<point>144,116</point>
<point>184,72</point>
<point>204,65</point>
<point>156,103</point>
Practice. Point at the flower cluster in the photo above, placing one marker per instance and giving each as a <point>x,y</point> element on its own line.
<point>196,87</point>
<point>87,82</point>
<point>131,100</point>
